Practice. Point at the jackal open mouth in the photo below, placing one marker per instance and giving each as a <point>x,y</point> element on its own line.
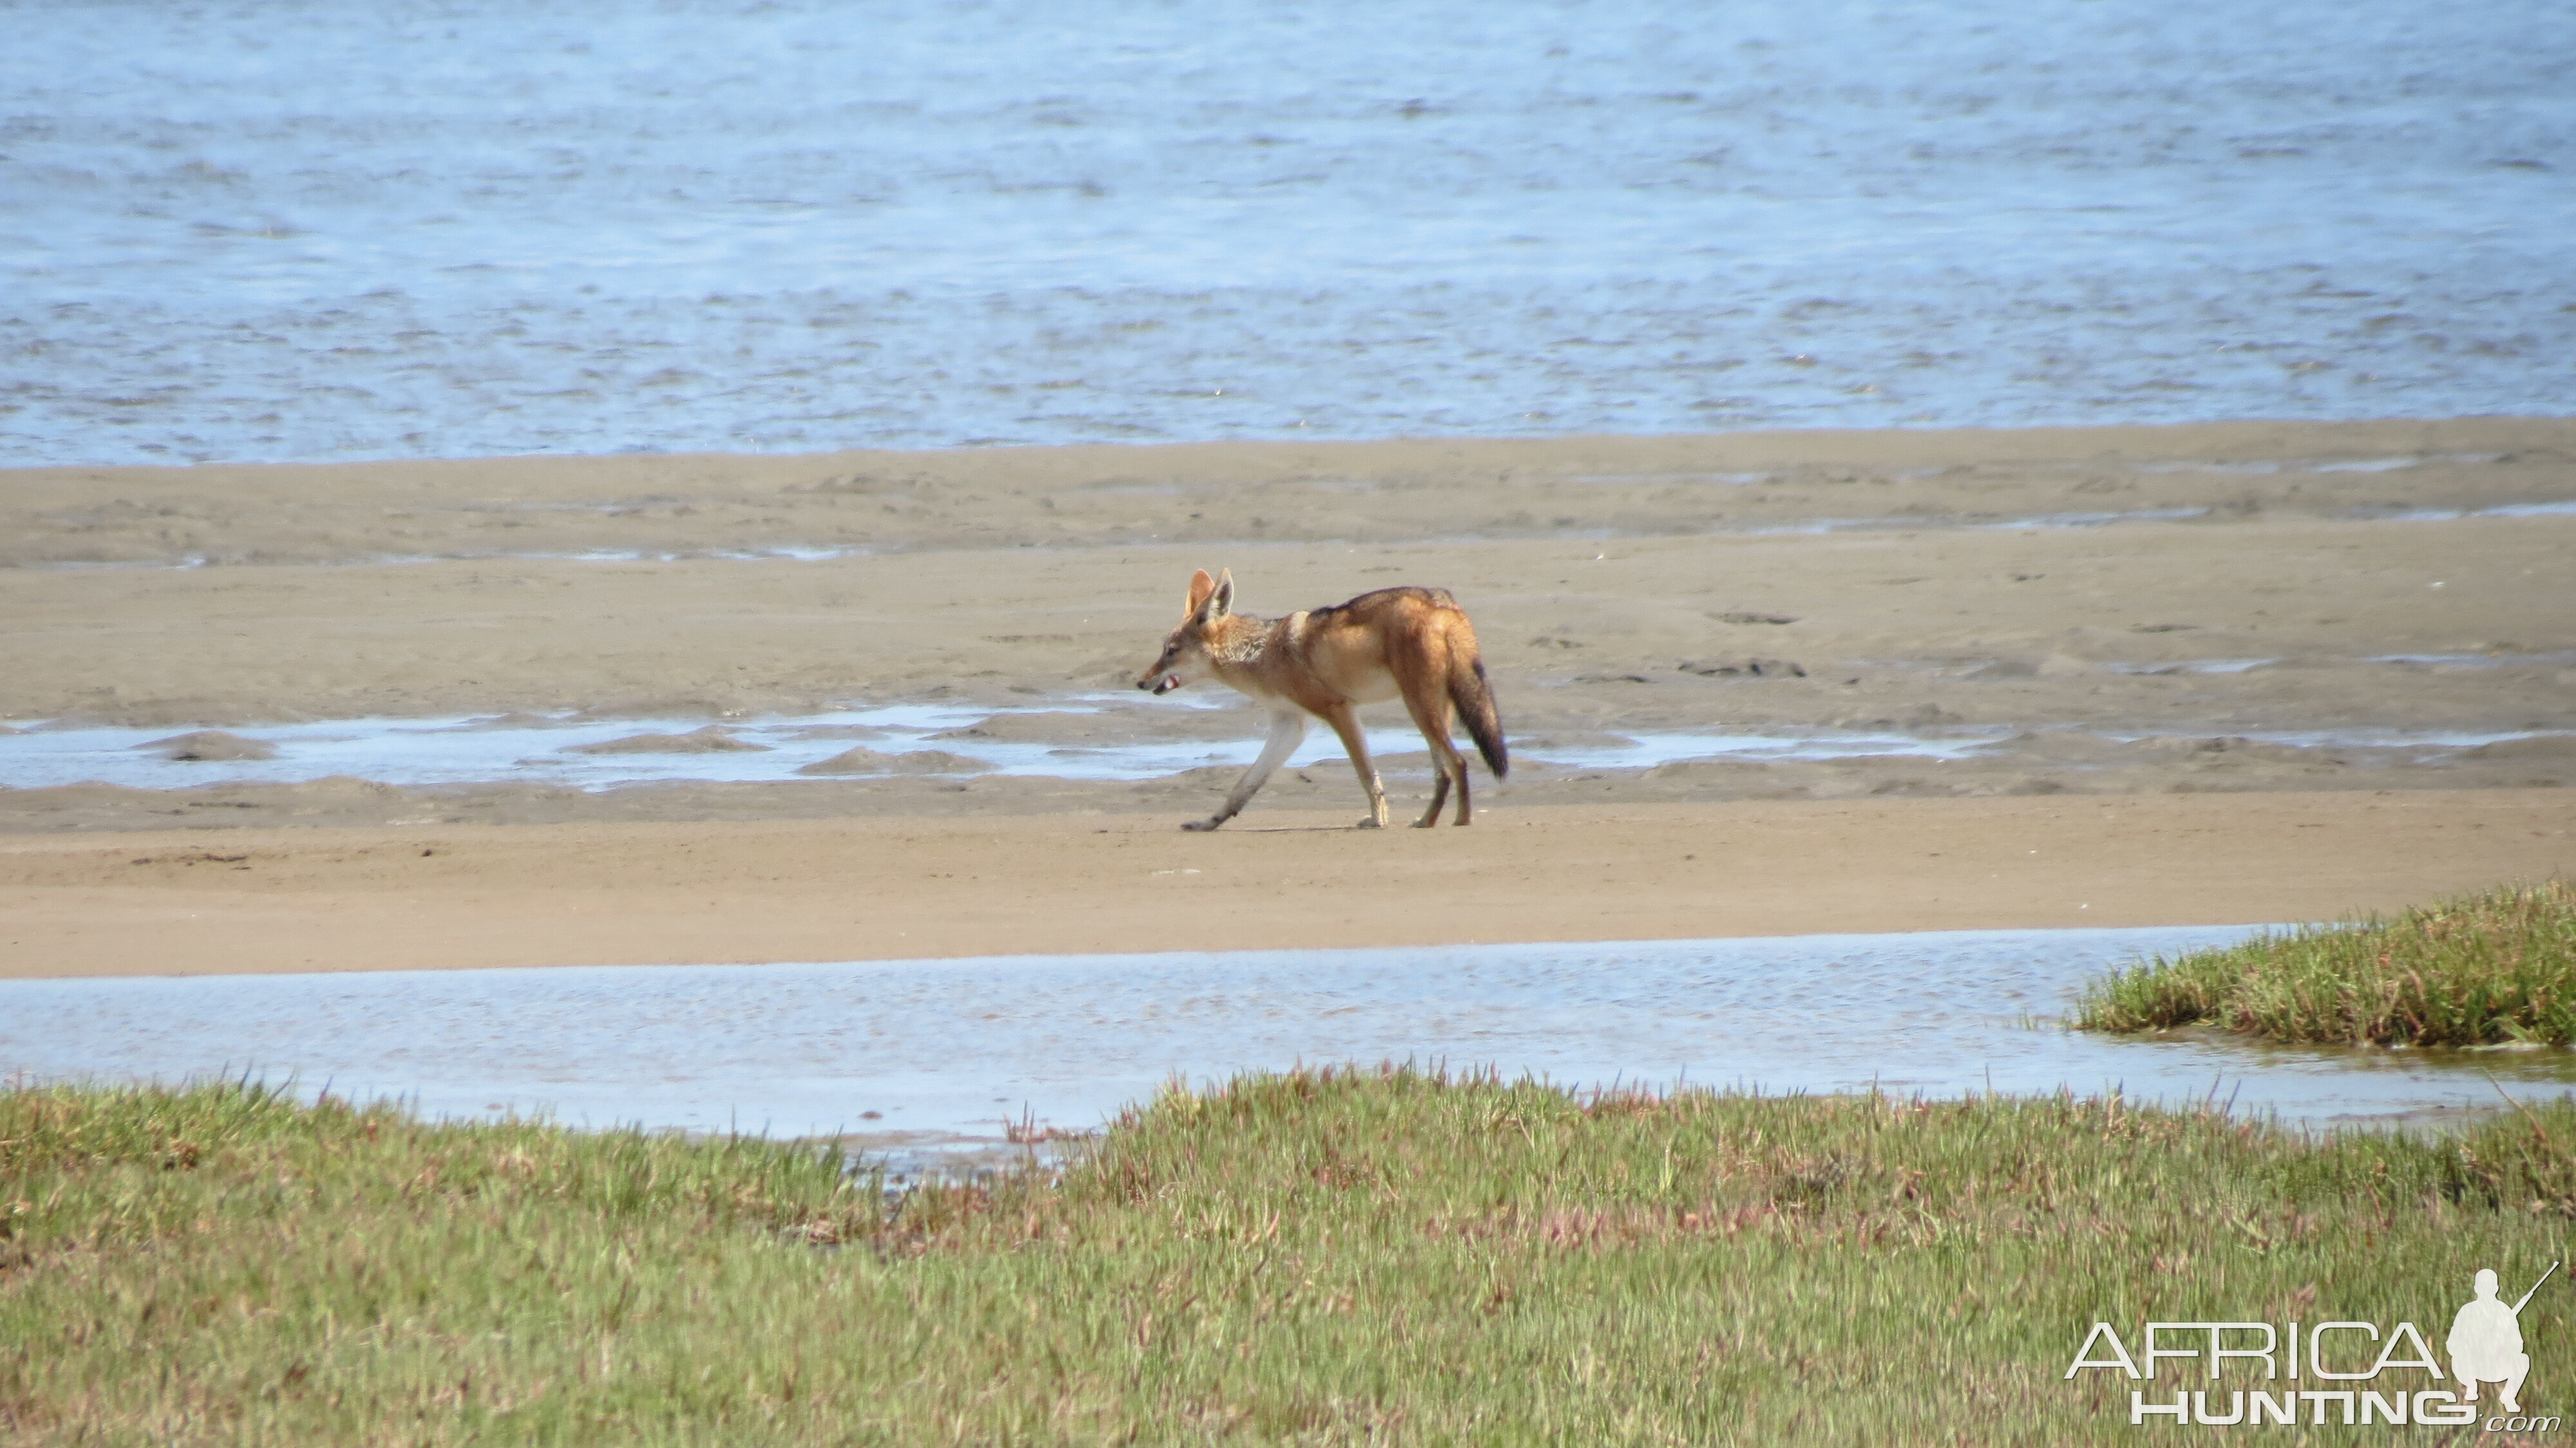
<point>1167,683</point>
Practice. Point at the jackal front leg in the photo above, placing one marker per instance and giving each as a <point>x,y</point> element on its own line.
<point>1347,725</point>
<point>1287,729</point>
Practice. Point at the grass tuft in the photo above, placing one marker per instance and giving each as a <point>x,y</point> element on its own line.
<point>2475,971</point>
<point>1325,1256</point>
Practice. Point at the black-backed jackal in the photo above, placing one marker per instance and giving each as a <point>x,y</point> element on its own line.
<point>1413,642</point>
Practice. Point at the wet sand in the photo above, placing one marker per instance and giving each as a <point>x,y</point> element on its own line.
<point>2229,673</point>
<point>1057,882</point>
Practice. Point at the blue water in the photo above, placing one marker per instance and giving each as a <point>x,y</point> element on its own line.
<point>285,229</point>
<point>950,1049</point>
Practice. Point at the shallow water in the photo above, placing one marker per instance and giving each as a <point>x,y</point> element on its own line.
<point>546,750</point>
<point>2264,467</point>
<point>2497,660</point>
<point>550,749</point>
<point>2194,666</point>
<point>2426,743</point>
<point>957,1046</point>
<point>2565,509</point>
<point>1911,524</point>
<point>286,229</point>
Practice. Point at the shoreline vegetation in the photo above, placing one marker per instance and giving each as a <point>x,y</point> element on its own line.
<point>1324,1256</point>
<point>2493,968</point>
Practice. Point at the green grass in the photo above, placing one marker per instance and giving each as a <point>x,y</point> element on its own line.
<point>2479,970</point>
<point>1322,1257</point>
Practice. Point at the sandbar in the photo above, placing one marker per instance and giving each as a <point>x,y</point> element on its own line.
<point>2217,674</point>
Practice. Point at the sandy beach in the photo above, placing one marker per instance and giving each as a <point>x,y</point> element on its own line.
<point>2209,674</point>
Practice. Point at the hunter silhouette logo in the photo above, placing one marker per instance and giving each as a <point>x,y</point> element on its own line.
<point>2486,1342</point>
<point>2362,1374</point>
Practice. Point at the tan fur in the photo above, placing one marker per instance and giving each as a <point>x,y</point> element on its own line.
<point>1412,643</point>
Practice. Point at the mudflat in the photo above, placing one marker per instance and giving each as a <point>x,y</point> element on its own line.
<point>2260,671</point>
<point>900,887</point>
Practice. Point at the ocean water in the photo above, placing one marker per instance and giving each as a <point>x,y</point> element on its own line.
<point>286,229</point>
<point>955,1048</point>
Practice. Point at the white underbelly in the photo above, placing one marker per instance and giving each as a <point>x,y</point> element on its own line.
<point>1378,687</point>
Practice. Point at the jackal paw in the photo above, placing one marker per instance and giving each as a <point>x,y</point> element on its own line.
<point>1196,826</point>
<point>1370,824</point>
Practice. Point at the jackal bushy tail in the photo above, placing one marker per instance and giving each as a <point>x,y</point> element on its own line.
<point>1475,700</point>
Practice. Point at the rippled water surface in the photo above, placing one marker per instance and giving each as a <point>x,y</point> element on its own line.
<point>957,1046</point>
<point>285,229</point>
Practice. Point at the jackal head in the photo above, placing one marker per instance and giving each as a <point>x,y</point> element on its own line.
<point>1185,652</point>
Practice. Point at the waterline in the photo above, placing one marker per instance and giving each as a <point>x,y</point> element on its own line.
<point>959,1046</point>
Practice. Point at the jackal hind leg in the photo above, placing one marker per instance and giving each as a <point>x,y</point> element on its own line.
<point>1431,715</point>
<point>1287,730</point>
<point>1347,725</point>
<point>1439,797</point>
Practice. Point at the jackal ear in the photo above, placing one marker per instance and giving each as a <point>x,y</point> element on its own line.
<point>1221,602</point>
<point>1202,588</point>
